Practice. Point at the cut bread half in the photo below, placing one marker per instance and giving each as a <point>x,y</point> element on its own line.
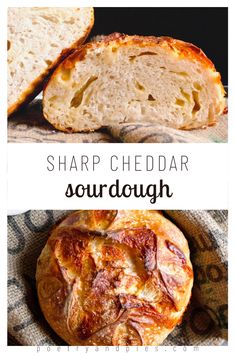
<point>123,79</point>
<point>38,39</point>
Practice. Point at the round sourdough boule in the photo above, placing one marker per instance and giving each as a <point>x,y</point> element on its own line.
<point>125,79</point>
<point>38,39</point>
<point>114,278</point>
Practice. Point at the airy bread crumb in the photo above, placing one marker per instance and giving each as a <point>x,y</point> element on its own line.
<point>124,79</point>
<point>38,39</point>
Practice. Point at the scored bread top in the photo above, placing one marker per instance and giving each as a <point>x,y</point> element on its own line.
<point>123,78</point>
<point>114,278</point>
<point>38,39</point>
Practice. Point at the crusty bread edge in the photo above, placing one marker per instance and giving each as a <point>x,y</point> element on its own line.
<point>37,85</point>
<point>184,49</point>
<point>62,223</point>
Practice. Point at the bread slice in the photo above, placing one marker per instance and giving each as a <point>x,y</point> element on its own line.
<point>38,39</point>
<point>122,79</point>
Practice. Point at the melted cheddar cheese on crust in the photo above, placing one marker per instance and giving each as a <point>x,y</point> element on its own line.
<point>114,278</point>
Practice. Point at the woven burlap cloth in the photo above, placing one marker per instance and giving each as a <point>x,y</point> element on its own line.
<point>205,321</point>
<point>28,125</point>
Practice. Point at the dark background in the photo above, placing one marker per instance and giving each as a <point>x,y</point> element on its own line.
<point>204,27</point>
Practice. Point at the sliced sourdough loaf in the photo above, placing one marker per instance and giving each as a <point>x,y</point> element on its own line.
<point>38,39</point>
<point>122,79</point>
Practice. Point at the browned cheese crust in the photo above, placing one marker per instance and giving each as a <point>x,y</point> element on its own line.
<point>179,47</point>
<point>114,278</point>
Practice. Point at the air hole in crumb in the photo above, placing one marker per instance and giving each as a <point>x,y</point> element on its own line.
<point>78,96</point>
<point>8,45</point>
<point>180,102</point>
<point>48,62</point>
<point>69,129</point>
<point>150,98</point>
<point>88,97</point>
<point>197,105</point>
<point>139,86</point>
<point>54,45</point>
<point>197,86</point>
<point>70,21</point>
<point>52,99</point>
<point>133,57</point>
<point>147,53</point>
<point>50,18</point>
<point>181,73</point>
<point>66,74</point>
<point>185,94</point>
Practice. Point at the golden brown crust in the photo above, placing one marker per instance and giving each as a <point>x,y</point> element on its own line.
<point>179,47</point>
<point>37,85</point>
<point>114,278</point>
